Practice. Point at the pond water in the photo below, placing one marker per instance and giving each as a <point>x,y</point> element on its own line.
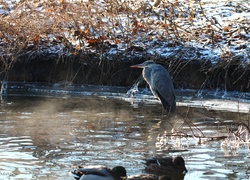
<point>44,136</point>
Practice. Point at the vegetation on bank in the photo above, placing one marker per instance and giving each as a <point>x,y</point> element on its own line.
<point>177,34</point>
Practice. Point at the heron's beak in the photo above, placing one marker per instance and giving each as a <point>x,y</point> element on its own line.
<point>138,66</point>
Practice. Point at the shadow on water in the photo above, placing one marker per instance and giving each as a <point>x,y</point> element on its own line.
<point>43,137</point>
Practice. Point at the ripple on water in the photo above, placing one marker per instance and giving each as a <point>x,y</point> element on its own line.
<point>60,133</point>
<point>17,158</point>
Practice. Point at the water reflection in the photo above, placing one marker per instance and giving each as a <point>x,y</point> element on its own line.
<point>42,138</point>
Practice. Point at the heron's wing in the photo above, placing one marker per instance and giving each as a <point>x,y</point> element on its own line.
<point>164,101</point>
<point>167,98</point>
<point>162,87</point>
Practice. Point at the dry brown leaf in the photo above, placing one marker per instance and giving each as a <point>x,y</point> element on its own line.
<point>227,28</point>
<point>36,39</point>
<point>135,30</point>
<point>92,42</point>
<point>216,37</point>
<point>102,38</point>
<point>48,10</point>
<point>117,41</point>
<point>164,25</point>
<point>78,47</point>
<point>82,33</point>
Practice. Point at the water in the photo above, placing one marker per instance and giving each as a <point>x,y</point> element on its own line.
<point>44,134</point>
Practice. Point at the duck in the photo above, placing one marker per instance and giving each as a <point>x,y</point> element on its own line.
<point>100,173</point>
<point>165,165</point>
<point>117,173</point>
<point>148,177</point>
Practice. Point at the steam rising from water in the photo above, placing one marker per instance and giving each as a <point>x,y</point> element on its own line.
<point>43,136</point>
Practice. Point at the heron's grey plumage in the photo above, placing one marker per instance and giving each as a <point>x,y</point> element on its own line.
<point>160,83</point>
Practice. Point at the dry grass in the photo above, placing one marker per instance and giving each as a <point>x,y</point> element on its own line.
<point>93,23</point>
<point>97,26</point>
<point>202,127</point>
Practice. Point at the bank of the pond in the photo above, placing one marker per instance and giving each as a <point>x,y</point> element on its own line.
<point>204,45</point>
<point>189,67</point>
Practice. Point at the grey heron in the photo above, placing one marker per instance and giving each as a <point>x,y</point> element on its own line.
<point>160,83</point>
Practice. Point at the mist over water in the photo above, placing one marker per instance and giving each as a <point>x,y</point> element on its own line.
<point>42,135</point>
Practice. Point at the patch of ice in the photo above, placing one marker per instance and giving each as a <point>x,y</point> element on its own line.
<point>216,104</point>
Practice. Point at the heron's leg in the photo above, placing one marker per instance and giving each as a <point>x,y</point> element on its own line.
<point>134,89</point>
<point>3,90</point>
<point>165,113</point>
<point>139,80</point>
